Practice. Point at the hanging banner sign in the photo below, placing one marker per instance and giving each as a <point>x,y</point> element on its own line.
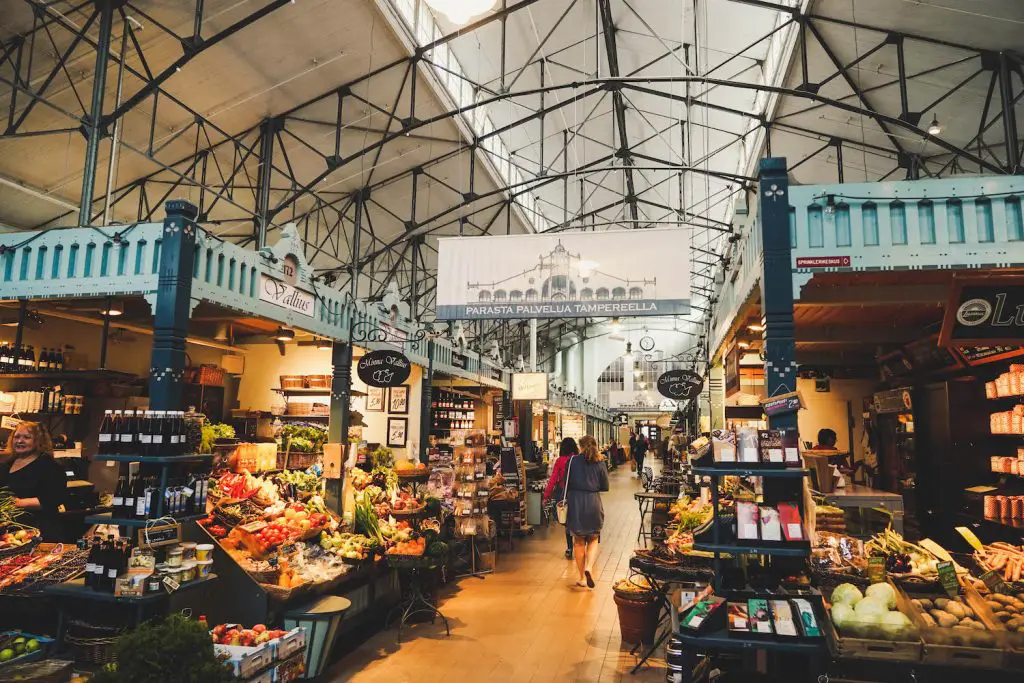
<point>984,310</point>
<point>782,404</point>
<point>680,384</point>
<point>529,386</point>
<point>287,296</point>
<point>564,275</point>
<point>383,369</point>
<point>460,360</point>
<point>893,401</point>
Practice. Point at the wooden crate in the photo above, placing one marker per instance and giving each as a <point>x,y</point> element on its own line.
<point>844,647</point>
<point>955,655</point>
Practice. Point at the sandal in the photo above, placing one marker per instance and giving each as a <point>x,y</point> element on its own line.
<point>580,584</point>
<point>590,579</point>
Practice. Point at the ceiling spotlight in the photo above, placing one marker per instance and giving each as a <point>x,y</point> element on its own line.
<point>459,12</point>
<point>629,350</point>
<point>284,334</point>
<point>113,308</point>
<point>323,344</point>
<point>934,128</point>
<point>616,325</point>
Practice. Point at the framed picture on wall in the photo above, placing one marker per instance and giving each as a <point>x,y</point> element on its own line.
<point>374,399</point>
<point>398,399</point>
<point>398,428</point>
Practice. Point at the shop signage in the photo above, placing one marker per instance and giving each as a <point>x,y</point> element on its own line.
<point>460,360</point>
<point>732,371</point>
<point>984,310</point>
<point>498,412</point>
<point>564,275</point>
<point>622,419</point>
<point>285,295</point>
<point>979,355</point>
<point>495,374</point>
<point>782,404</point>
<point>823,262</point>
<point>384,368</point>
<point>529,386</point>
<point>893,401</point>
<point>680,384</point>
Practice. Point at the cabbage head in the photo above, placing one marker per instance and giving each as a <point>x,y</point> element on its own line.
<point>883,592</point>
<point>847,594</point>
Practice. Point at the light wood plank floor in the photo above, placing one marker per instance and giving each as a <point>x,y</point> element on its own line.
<point>526,622</point>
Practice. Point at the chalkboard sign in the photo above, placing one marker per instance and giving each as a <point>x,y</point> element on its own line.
<point>979,355</point>
<point>680,384</point>
<point>159,535</point>
<point>894,364</point>
<point>509,462</point>
<point>384,368</point>
<point>985,310</point>
<point>497,412</point>
<point>926,356</point>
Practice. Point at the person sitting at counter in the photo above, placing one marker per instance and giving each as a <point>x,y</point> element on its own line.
<point>38,483</point>
<point>827,440</point>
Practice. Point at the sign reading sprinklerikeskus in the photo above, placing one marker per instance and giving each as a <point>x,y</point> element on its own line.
<point>565,275</point>
<point>286,296</point>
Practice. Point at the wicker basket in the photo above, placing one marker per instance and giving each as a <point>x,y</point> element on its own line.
<point>210,375</point>
<point>300,461</point>
<point>318,381</point>
<point>90,643</point>
<point>293,382</point>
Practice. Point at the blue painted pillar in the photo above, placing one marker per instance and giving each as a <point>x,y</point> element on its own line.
<point>426,411</point>
<point>777,284</point>
<point>337,429</point>
<point>173,306</point>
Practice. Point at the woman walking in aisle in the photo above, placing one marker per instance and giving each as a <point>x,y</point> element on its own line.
<point>556,483</point>
<point>587,477</point>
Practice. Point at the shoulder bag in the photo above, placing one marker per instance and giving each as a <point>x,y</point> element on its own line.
<point>562,507</point>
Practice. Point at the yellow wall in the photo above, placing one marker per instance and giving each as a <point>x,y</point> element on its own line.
<point>830,410</point>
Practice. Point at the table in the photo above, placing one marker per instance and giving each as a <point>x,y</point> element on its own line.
<point>646,501</point>
<point>860,496</point>
<point>415,601</point>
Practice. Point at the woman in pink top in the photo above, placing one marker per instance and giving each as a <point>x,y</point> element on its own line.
<point>556,482</point>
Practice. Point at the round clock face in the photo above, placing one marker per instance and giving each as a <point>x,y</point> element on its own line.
<point>647,343</point>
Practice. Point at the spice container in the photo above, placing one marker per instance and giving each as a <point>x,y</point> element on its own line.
<point>204,552</point>
<point>205,567</point>
<point>175,556</point>
<point>155,582</point>
<point>188,550</point>
<point>188,571</point>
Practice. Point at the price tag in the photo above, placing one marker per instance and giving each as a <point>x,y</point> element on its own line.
<point>876,569</point>
<point>170,584</point>
<point>994,580</point>
<point>947,577</point>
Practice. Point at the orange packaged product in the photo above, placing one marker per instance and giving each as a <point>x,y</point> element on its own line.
<point>1004,506</point>
<point>1016,384</point>
<point>990,390</point>
<point>1003,385</point>
<point>991,507</point>
<point>1017,507</point>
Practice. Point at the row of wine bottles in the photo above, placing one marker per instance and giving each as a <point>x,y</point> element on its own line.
<point>146,433</point>
<point>107,560</point>
<point>15,359</point>
<point>139,497</point>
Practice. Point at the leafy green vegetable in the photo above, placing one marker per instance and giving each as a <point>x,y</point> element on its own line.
<point>175,650</point>
<point>383,457</point>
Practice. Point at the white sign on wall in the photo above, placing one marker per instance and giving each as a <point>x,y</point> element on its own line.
<point>286,296</point>
<point>564,275</point>
<point>529,386</point>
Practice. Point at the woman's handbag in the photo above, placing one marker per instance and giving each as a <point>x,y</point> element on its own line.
<point>562,507</point>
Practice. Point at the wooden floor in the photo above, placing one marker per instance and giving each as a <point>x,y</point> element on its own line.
<point>525,622</point>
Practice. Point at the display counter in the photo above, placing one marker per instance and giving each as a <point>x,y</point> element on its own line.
<point>862,504</point>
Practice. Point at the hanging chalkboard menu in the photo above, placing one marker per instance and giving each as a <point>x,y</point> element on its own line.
<point>979,355</point>
<point>926,356</point>
<point>497,412</point>
<point>894,364</point>
<point>893,401</point>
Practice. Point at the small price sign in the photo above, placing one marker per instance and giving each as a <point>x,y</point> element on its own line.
<point>948,579</point>
<point>876,569</point>
<point>994,580</point>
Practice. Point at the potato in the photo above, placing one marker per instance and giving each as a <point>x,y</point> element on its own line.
<point>1004,599</point>
<point>971,623</point>
<point>926,604</point>
<point>928,620</point>
<point>969,612</point>
<point>1002,615</point>
<point>995,605</point>
<point>955,608</point>
<point>916,602</point>
<point>1016,623</point>
<point>941,603</point>
<point>944,619</point>
<point>960,635</point>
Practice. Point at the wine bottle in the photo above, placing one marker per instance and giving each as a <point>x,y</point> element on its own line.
<point>106,431</point>
<point>119,493</point>
<point>129,498</point>
<point>127,432</point>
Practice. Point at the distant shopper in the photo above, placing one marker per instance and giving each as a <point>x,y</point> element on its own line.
<point>556,483</point>
<point>827,440</point>
<point>587,478</point>
<point>612,455</point>
<point>639,453</point>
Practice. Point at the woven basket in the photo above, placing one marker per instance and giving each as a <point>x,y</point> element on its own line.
<point>318,381</point>
<point>91,643</point>
<point>293,382</point>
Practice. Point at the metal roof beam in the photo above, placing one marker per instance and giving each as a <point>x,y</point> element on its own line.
<point>618,104</point>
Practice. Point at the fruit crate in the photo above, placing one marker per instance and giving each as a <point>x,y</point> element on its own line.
<point>9,640</point>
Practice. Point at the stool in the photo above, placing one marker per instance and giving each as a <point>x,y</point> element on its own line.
<point>320,618</point>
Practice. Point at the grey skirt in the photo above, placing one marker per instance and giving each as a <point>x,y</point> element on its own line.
<point>586,513</point>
